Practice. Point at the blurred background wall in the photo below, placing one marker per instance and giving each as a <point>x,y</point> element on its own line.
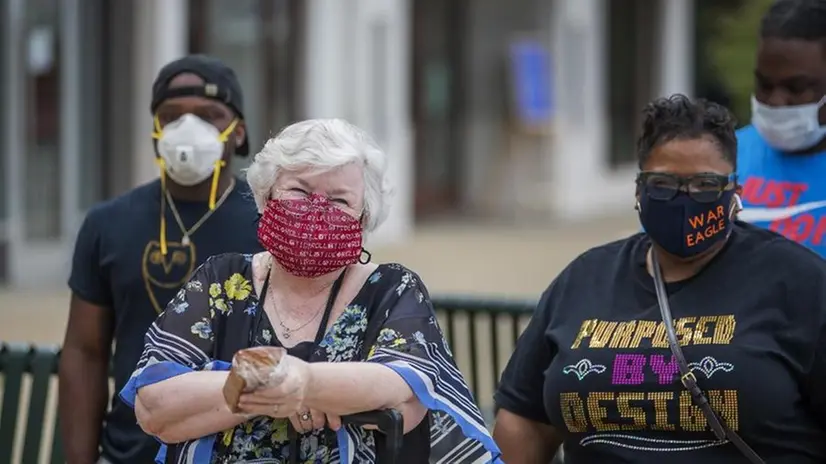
<point>517,112</point>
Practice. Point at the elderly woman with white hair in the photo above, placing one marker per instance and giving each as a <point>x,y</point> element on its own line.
<point>359,336</point>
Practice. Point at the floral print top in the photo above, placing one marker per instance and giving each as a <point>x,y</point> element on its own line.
<point>390,321</point>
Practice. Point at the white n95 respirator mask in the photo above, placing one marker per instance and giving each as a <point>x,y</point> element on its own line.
<point>191,149</point>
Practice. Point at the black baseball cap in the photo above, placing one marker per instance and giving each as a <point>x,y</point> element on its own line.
<point>220,84</point>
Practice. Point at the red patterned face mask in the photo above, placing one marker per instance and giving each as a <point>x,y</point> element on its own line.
<point>310,237</point>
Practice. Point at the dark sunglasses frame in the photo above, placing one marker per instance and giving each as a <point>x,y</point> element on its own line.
<point>683,183</point>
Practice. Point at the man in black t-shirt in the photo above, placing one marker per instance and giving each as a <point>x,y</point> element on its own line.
<point>134,252</point>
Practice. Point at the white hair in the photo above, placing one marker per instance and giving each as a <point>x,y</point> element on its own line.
<point>326,144</point>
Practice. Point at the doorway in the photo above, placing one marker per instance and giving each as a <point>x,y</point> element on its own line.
<point>438,29</point>
<point>51,118</point>
<point>5,26</point>
<point>260,40</point>
<point>632,45</point>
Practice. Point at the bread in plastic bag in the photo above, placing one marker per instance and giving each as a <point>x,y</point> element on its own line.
<point>253,368</point>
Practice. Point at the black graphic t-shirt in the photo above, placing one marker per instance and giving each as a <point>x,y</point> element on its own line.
<point>118,264</point>
<point>595,363</point>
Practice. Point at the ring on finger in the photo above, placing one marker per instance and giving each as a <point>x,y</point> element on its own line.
<point>305,416</point>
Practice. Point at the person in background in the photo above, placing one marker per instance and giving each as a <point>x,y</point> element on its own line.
<point>135,251</point>
<point>596,368</point>
<point>782,154</point>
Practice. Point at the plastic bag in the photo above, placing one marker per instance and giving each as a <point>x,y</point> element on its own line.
<point>254,368</point>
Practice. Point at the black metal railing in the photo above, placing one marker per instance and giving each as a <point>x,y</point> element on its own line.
<point>503,319</point>
<point>39,363</point>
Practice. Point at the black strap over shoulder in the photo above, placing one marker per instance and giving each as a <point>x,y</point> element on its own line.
<point>721,431</point>
<point>292,433</point>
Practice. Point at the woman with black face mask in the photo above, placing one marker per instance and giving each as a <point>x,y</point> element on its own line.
<point>702,339</point>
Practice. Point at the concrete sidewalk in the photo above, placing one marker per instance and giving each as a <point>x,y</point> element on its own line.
<point>476,259</point>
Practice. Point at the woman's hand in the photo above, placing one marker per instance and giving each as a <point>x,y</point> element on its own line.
<point>285,400</point>
<point>308,420</point>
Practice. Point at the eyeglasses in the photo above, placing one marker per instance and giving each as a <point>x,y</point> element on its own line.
<point>705,187</point>
<point>299,202</point>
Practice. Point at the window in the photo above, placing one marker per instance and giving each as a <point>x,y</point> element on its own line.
<point>42,179</point>
<point>259,40</point>
<point>437,43</point>
<point>632,35</point>
<point>4,194</point>
<point>462,102</point>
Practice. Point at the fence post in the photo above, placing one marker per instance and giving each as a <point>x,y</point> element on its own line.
<point>42,361</point>
<point>14,359</point>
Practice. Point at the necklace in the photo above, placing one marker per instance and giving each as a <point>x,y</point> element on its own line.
<point>185,241</point>
<point>288,332</point>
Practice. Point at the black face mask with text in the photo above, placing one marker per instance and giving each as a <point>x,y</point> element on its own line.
<point>683,226</point>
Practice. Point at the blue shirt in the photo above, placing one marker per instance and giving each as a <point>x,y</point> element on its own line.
<point>782,192</point>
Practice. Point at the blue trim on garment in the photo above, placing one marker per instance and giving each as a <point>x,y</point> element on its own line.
<point>159,372</point>
<point>150,374</point>
<point>343,439</point>
<point>415,383</point>
<point>160,458</point>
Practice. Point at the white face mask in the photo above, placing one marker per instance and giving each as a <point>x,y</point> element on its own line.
<point>191,149</point>
<point>788,128</point>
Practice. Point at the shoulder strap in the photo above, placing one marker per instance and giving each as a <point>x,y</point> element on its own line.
<point>328,309</point>
<point>378,315</point>
<point>687,377</point>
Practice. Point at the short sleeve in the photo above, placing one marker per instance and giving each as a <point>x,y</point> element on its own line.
<point>87,279</point>
<point>522,382</point>
<point>181,339</point>
<point>411,343</point>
